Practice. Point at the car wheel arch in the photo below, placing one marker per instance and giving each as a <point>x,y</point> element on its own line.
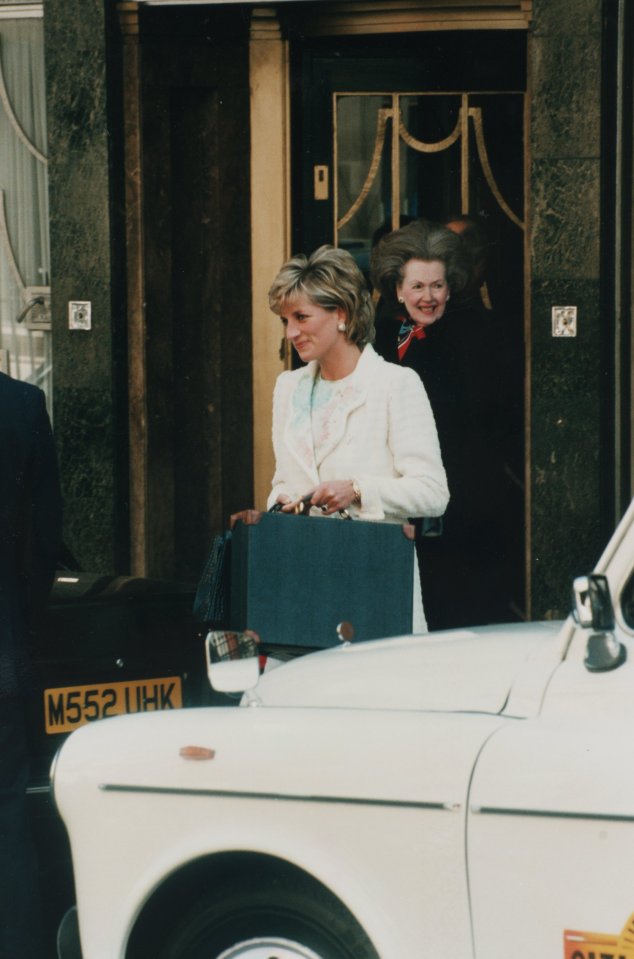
<point>183,888</point>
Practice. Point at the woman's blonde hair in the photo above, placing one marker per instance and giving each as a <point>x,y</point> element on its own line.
<point>330,278</point>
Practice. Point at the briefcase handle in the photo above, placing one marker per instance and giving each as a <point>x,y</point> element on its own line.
<point>303,508</point>
<point>250,517</point>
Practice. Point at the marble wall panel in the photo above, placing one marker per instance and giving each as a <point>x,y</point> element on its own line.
<point>565,234</point>
<point>566,17</point>
<point>81,269</point>
<point>84,443</point>
<point>566,87</point>
<point>567,379</point>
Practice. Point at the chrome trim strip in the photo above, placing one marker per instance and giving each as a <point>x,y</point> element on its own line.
<point>240,794</point>
<point>39,790</point>
<point>550,814</point>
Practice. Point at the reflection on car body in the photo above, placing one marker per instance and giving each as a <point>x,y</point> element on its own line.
<point>461,795</point>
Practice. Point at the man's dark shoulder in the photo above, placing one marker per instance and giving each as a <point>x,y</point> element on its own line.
<point>16,396</point>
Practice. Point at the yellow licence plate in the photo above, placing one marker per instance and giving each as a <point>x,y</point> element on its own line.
<point>68,707</point>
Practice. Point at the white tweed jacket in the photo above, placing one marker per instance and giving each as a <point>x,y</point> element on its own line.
<point>383,437</point>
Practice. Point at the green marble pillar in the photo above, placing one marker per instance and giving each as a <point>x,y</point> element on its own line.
<point>566,373</point>
<point>88,396</point>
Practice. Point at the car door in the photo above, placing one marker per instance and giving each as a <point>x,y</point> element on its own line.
<point>551,810</point>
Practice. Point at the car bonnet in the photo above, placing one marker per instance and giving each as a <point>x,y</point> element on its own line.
<point>471,670</point>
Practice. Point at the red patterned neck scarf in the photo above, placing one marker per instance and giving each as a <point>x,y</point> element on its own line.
<point>406,334</point>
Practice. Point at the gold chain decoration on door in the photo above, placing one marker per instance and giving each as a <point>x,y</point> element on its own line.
<point>376,180</point>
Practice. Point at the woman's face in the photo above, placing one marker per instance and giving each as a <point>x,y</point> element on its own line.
<point>312,330</point>
<point>424,290</point>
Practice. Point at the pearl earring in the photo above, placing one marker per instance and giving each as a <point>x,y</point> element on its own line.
<point>342,327</point>
<point>401,300</point>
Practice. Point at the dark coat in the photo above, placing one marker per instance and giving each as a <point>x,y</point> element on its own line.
<point>463,362</point>
<point>462,365</point>
<point>30,523</point>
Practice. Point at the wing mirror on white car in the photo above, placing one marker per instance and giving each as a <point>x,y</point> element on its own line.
<point>593,609</point>
<point>233,663</point>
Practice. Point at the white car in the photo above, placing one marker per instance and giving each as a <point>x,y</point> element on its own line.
<point>461,795</point>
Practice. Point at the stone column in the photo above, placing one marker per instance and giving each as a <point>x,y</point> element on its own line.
<point>566,374</point>
<point>270,219</point>
<point>88,404</point>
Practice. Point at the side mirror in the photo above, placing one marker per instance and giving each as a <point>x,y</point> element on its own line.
<point>233,663</point>
<point>234,677</point>
<point>593,610</point>
<point>592,607</point>
<point>603,653</point>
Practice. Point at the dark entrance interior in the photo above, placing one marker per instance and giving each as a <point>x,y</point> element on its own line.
<point>195,109</point>
<point>460,99</point>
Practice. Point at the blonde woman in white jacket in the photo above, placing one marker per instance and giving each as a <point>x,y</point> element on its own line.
<point>355,432</point>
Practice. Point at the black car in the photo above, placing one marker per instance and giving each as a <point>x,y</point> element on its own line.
<point>107,645</point>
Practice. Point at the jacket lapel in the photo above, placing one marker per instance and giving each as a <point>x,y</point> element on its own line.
<point>298,433</point>
<point>350,395</point>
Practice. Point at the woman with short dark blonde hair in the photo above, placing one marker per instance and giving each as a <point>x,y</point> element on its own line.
<point>331,278</point>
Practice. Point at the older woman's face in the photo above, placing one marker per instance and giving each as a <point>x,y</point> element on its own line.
<point>424,290</point>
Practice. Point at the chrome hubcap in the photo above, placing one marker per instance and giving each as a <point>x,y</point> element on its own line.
<point>268,948</point>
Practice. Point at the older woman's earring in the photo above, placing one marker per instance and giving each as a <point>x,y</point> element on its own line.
<point>342,327</point>
<point>401,300</point>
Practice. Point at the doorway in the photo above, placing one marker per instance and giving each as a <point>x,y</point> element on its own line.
<point>389,129</point>
<point>197,428</point>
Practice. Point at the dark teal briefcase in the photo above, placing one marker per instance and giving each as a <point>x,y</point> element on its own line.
<point>295,578</point>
